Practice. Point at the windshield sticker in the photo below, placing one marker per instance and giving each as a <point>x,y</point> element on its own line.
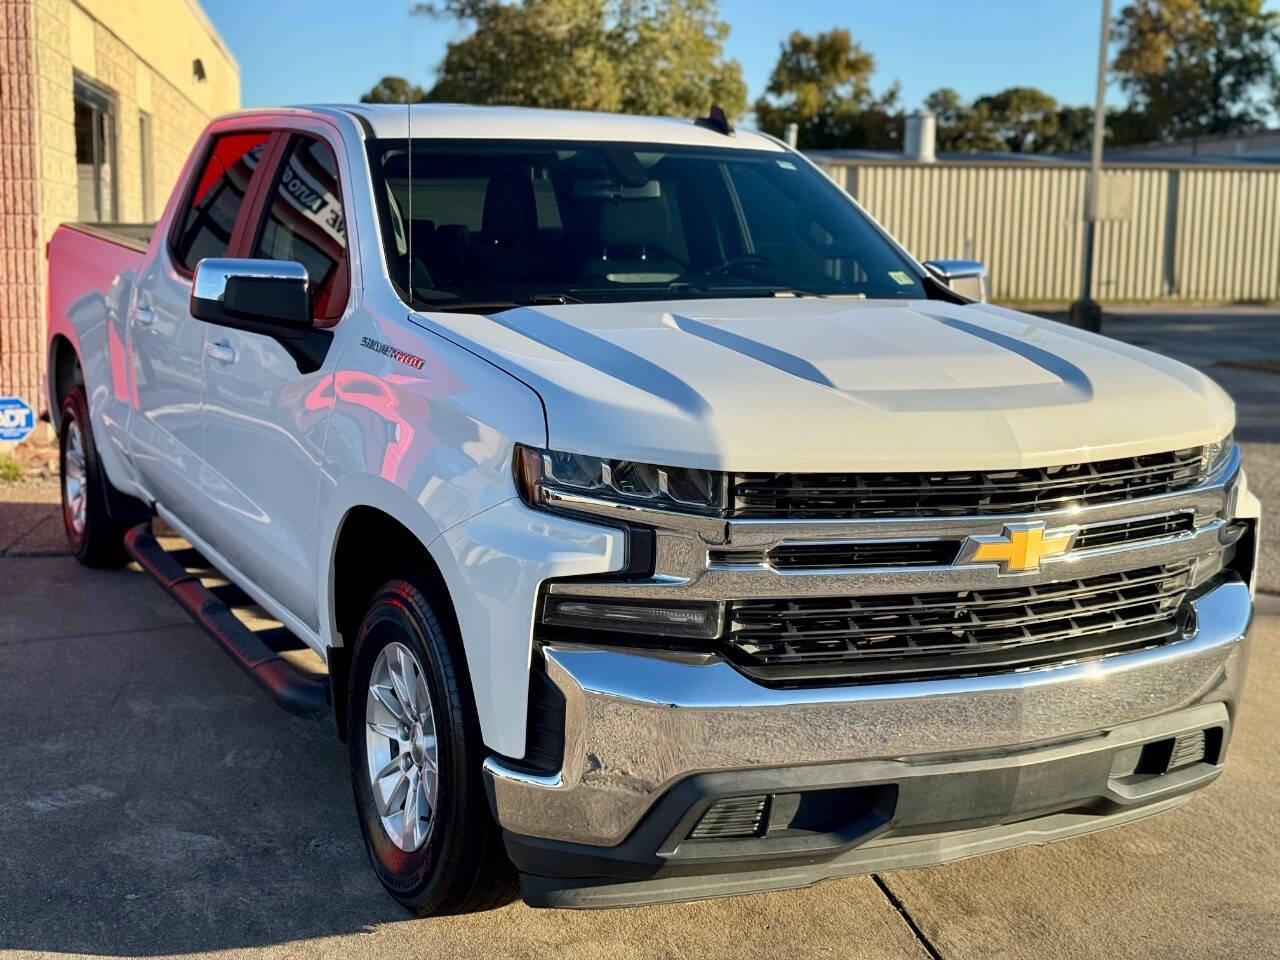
<point>900,277</point>
<point>786,164</point>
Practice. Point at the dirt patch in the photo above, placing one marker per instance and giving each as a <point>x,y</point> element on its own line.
<point>1257,364</point>
<point>35,458</point>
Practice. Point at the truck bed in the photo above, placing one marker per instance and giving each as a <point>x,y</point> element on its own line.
<point>135,236</point>
<point>91,273</point>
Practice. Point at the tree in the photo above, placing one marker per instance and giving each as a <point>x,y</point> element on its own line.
<point>1197,67</point>
<point>670,56</point>
<point>822,83</point>
<point>962,128</point>
<point>1075,131</point>
<point>635,56</point>
<point>1024,119</point>
<point>1020,119</point>
<point>394,90</point>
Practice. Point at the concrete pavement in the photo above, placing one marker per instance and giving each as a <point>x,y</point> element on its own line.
<point>153,801</point>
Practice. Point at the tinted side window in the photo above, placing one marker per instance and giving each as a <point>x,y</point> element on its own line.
<point>218,195</point>
<point>305,222</point>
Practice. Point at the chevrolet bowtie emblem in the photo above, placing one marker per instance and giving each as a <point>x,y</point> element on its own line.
<point>1020,549</point>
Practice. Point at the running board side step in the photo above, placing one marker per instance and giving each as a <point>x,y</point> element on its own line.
<point>291,689</point>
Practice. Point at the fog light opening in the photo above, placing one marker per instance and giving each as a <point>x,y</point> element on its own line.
<point>696,620</point>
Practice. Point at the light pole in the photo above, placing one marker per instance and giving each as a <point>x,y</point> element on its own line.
<point>1086,312</point>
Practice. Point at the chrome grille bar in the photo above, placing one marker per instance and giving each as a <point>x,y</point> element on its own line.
<point>791,496</point>
<point>843,629</point>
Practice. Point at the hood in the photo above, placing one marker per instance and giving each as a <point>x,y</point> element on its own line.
<point>838,384</point>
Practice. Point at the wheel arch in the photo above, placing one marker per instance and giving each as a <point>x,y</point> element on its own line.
<point>374,541</point>
<point>65,371</point>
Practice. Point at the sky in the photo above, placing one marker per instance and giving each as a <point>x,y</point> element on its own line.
<point>315,51</point>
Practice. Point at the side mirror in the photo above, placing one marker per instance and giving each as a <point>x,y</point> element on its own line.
<point>966,277</point>
<point>271,297</point>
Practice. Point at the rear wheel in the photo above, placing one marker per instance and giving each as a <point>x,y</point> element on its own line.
<point>416,762</point>
<point>97,539</point>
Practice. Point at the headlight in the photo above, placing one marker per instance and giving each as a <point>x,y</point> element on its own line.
<point>541,475</point>
<point>1217,454</point>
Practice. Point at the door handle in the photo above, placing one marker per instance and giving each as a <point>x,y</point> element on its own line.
<point>143,316</point>
<point>220,352</point>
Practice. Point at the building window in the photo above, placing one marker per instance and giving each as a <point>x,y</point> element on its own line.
<point>95,151</point>
<point>144,154</point>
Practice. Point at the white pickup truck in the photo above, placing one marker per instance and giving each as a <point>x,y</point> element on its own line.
<point>666,529</point>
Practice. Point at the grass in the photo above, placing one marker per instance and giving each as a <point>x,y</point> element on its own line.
<point>10,469</point>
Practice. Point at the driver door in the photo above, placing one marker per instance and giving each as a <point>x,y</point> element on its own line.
<point>264,418</point>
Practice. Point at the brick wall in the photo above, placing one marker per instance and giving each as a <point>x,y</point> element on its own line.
<point>43,44</point>
<point>21,276</point>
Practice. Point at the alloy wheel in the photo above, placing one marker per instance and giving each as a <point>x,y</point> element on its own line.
<point>401,747</point>
<point>73,477</point>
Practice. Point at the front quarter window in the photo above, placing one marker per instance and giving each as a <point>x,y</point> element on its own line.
<point>305,222</point>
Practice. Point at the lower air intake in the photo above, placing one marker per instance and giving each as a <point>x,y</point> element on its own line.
<point>732,817</point>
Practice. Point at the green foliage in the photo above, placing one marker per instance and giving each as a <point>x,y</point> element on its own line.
<point>394,90</point>
<point>1196,67</point>
<point>634,56</point>
<point>962,128</point>
<point>822,83</point>
<point>671,57</point>
<point>1023,118</point>
<point>1017,120</point>
<point>10,469</point>
<point>1074,133</point>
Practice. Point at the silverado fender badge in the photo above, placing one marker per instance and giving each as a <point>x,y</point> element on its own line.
<point>1020,548</point>
<point>377,346</point>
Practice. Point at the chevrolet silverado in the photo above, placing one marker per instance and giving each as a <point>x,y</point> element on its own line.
<point>666,529</point>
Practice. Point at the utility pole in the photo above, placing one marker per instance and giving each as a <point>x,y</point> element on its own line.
<point>1086,312</point>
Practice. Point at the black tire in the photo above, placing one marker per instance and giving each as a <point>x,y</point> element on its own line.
<point>98,540</point>
<point>462,866</point>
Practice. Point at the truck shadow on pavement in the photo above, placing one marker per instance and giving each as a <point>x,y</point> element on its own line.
<point>152,800</point>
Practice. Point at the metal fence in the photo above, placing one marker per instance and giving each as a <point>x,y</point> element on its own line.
<point>1184,232</point>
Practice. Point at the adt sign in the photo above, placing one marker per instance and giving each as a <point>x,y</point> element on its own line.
<point>17,419</point>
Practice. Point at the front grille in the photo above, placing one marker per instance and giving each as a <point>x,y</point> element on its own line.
<point>954,632</point>
<point>853,554</point>
<point>899,553</point>
<point>1134,531</point>
<point>840,496</point>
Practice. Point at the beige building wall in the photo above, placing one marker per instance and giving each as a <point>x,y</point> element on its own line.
<point>142,52</point>
<point>1203,232</point>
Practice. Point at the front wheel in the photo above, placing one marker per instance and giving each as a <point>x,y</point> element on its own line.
<point>416,762</point>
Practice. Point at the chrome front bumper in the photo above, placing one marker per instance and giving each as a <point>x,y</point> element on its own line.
<point>638,723</point>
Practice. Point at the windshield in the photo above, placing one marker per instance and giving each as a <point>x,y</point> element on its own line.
<point>489,224</point>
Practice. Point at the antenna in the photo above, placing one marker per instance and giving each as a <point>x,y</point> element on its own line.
<point>716,120</point>
<point>408,115</point>
<point>409,45</point>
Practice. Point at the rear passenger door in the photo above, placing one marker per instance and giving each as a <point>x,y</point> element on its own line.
<point>166,344</point>
<point>264,418</point>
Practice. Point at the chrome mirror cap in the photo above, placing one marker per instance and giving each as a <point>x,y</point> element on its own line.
<point>966,277</point>
<point>261,296</point>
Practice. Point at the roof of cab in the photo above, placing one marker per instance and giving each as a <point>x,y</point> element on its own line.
<point>461,122</point>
